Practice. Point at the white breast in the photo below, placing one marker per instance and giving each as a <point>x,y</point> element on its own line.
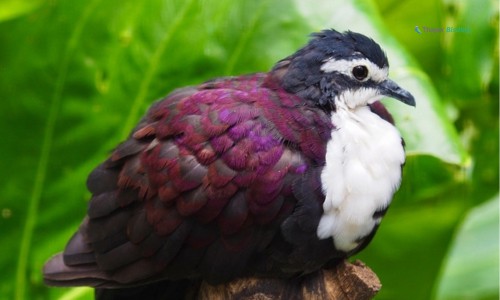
<point>362,172</point>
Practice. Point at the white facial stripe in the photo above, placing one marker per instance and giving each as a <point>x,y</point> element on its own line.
<point>345,67</point>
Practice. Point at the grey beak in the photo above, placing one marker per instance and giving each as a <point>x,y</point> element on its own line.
<point>391,89</point>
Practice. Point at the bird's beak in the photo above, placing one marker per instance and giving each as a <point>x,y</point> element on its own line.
<point>391,89</point>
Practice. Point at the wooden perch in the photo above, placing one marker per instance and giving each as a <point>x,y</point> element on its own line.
<point>347,281</point>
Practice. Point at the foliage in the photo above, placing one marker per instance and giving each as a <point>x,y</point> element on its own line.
<point>75,76</point>
<point>480,227</point>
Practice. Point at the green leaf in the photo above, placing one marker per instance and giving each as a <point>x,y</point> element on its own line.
<point>15,8</point>
<point>472,265</point>
<point>401,17</point>
<point>470,83</point>
<point>471,54</point>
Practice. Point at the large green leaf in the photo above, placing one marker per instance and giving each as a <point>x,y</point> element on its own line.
<point>76,75</point>
<point>471,269</point>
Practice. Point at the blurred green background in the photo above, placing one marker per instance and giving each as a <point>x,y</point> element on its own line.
<point>75,76</point>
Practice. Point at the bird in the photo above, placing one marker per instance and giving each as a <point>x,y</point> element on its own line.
<point>274,174</point>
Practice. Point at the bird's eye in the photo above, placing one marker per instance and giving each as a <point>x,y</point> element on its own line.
<point>360,72</point>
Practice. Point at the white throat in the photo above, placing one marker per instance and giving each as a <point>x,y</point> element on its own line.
<point>362,172</point>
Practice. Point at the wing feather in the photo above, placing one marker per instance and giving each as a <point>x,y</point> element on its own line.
<point>203,187</point>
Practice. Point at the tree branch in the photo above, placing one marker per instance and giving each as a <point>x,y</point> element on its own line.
<point>347,281</point>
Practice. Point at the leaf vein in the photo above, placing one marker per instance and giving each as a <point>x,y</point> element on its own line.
<point>41,169</point>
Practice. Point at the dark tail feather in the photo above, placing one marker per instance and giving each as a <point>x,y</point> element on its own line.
<point>57,273</point>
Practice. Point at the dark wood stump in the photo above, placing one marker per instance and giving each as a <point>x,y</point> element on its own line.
<point>347,281</point>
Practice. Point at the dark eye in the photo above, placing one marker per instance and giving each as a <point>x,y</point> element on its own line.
<point>360,72</point>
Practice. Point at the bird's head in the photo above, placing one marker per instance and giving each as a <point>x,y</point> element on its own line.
<point>334,68</point>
